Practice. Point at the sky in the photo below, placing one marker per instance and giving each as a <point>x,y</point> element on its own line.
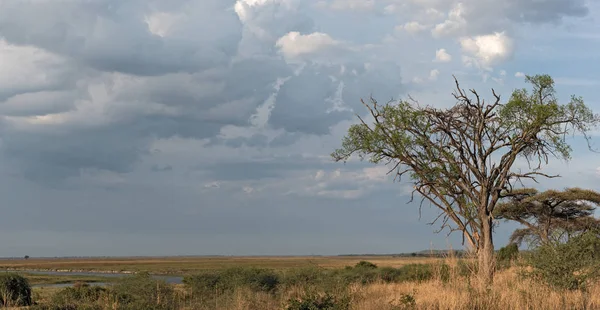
<point>181,127</point>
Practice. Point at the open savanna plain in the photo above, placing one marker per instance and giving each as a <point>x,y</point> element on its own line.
<point>294,283</point>
<point>185,265</point>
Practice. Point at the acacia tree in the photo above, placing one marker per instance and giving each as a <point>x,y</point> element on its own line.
<point>550,216</point>
<point>461,159</point>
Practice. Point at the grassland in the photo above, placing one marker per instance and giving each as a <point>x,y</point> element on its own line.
<point>230,283</point>
<point>186,265</point>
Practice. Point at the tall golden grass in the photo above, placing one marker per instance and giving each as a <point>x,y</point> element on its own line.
<point>510,290</point>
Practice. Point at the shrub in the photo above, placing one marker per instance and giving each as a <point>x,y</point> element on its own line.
<point>508,253</point>
<point>78,294</point>
<point>405,302</point>
<point>258,280</point>
<point>143,292</point>
<point>568,265</point>
<point>365,264</point>
<point>14,290</point>
<point>304,276</point>
<point>411,272</point>
<point>67,307</point>
<point>319,302</point>
<point>203,284</point>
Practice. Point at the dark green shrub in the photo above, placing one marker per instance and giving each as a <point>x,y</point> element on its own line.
<point>203,284</point>
<point>305,276</point>
<point>405,302</point>
<point>508,253</point>
<point>258,280</point>
<point>568,265</point>
<point>319,302</point>
<point>411,272</point>
<point>466,268</point>
<point>74,306</point>
<point>354,275</point>
<point>14,290</point>
<point>365,264</point>
<point>78,294</point>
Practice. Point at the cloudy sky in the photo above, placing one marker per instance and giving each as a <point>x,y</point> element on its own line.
<point>152,127</point>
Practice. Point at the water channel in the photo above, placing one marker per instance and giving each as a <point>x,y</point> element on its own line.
<point>167,278</point>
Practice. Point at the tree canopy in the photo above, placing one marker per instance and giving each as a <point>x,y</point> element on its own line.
<point>549,216</point>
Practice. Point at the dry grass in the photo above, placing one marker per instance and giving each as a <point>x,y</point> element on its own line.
<point>181,265</point>
<point>509,291</point>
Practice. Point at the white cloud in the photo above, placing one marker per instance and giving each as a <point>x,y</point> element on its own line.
<point>160,23</point>
<point>357,5</point>
<point>263,112</point>
<point>433,74</point>
<point>417,80</point>
<point>214,184</point>
<point>487,50</point>
<point>455,24</point>
<point>27,68</point>
<point>319,175</point>
<point>294,44</point>
<point>412,27</point>
<point>442,55</point>
<point>519,74</point>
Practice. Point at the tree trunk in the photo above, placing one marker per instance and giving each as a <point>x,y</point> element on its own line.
<point>485,253</point>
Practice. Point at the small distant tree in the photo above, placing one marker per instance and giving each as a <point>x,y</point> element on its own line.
<point>461,158</point>
<point>551,216</point>
<point>26,256</point>
<point>508,253</point>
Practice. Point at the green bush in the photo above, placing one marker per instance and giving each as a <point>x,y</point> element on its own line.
<point>411,272</point>
<point>78,294</point>
<point>568,265</point>
<point>67,307</point>
<point>365,264</point>
<point>258,280</point>
<point>508,253</point>
<point>304,276</point>
<point>141,291</point>
<point>14,290</point>
<point>319,302</point>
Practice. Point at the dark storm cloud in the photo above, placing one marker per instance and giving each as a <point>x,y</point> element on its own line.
<point>111,35</point>
<point>38,103</point>
<point>550,11</point>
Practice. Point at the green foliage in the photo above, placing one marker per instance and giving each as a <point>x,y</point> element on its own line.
<point>365,264</point>
<point>67,307</point>
<point>405,302</point>
<point>411,272</point>
<point>319,302</point>
<point>549,216</point>
<point>141,291</point>
<point>78,294</point>
<point>508,253</point>
<point>569,265</point>
<point>304,276</point>
<point>14,290</point>
<point>259,280</point>
<point>213,284</point>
